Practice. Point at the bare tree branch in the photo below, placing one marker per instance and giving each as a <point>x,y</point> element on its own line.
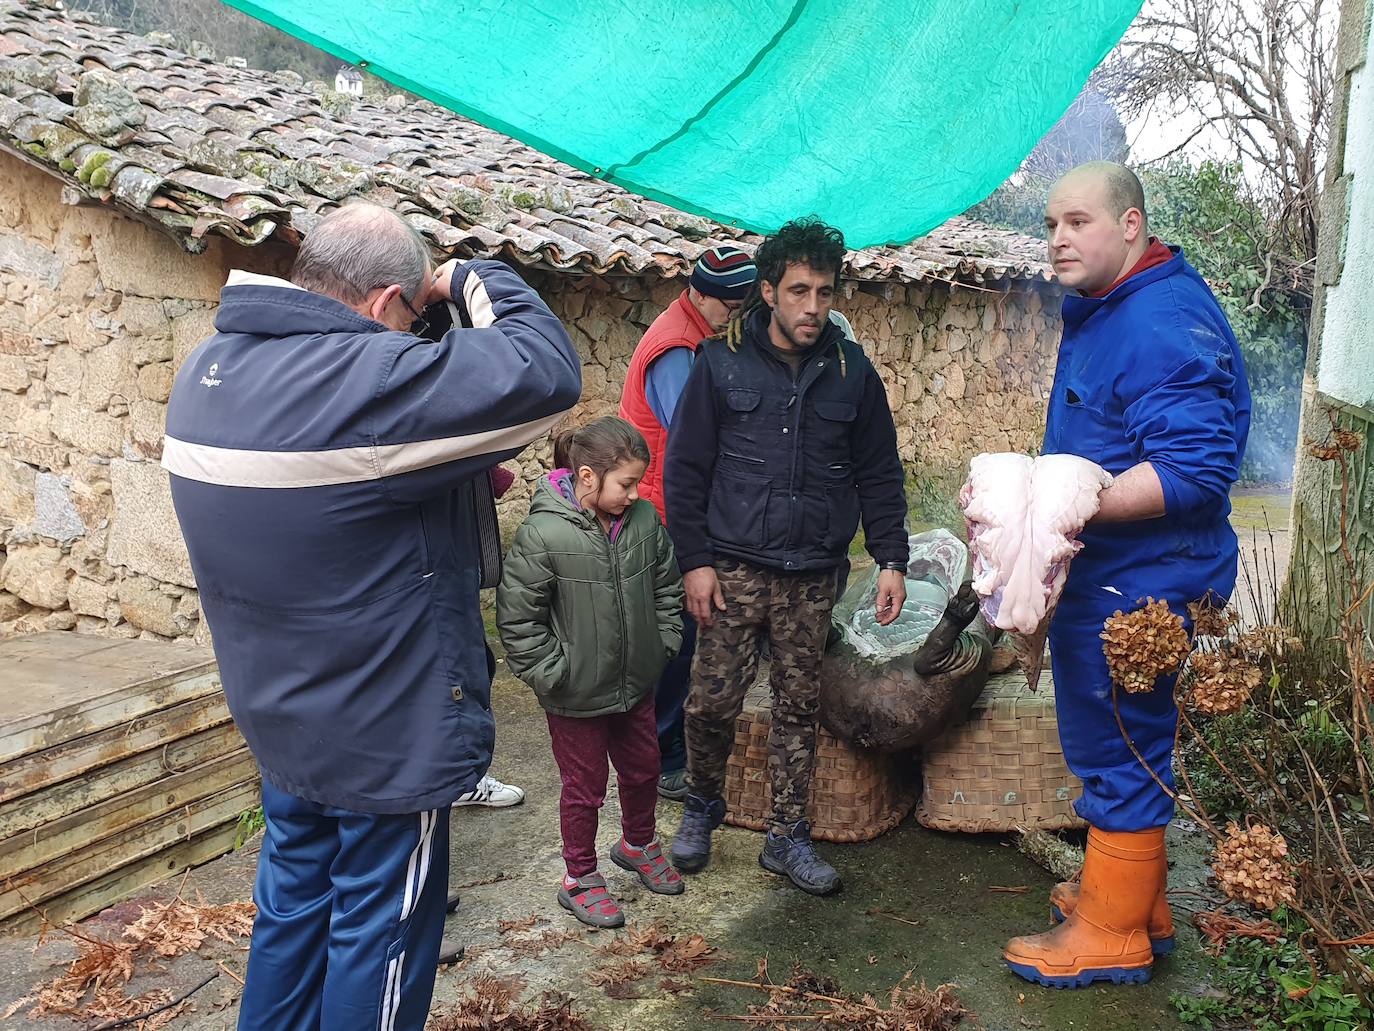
<point>1261,75</point>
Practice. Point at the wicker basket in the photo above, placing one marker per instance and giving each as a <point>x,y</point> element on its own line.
<point>1004,769</point>
<point>856,794</point>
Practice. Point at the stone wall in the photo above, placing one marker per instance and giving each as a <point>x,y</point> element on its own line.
<point>98,311</point>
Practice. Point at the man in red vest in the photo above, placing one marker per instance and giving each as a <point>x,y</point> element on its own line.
<point>658,372</point>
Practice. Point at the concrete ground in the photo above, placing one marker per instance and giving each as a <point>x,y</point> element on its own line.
<point>914,900</point>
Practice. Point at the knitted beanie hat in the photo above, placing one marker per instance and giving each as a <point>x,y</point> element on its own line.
<point>726,273</point>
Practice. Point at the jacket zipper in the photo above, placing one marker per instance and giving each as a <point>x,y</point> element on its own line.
<point>743,458</point>
<point>426,565</point>
<point>619,601</point>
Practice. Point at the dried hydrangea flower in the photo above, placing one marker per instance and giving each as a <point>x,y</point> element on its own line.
<point>1143,645</point>
<point>1221,684</point>
<point>1251,865</point>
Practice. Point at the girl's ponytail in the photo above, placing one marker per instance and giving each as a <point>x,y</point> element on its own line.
<point>601,445</point>
<point>562,449</point>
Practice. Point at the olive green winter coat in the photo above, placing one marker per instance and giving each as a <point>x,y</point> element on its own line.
<point>589,621</point>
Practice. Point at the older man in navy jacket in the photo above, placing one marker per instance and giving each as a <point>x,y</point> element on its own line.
<point>318,452</point>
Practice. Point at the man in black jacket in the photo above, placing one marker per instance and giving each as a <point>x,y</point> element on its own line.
<point>781,440</point>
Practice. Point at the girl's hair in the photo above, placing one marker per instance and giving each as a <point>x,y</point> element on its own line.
<point>601,445</point>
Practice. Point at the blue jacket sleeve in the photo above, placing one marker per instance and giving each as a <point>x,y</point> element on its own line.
<point>689,468</point>
<point>664,381</point>
<point>446,410</point>
<point>879,476</point>
<point>1180,426</point>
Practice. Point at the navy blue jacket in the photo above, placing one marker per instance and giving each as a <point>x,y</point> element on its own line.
<point>776,469</point>
<point>315,456</point>
<point>1152,373</point>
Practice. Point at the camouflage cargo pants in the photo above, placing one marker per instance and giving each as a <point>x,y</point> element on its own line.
<point>794,612</point>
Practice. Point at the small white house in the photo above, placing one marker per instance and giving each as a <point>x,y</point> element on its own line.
<point>349,80</point>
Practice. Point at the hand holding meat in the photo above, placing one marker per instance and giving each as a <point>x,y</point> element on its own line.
<point>1024,516</point>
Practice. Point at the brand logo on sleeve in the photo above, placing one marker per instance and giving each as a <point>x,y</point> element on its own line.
<point>212,379</point>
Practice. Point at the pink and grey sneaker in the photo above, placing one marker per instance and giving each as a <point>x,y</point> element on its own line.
<point>653,868</point>
<point>588,899</point>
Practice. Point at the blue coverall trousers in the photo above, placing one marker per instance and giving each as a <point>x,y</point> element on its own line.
<point>1119,793</point>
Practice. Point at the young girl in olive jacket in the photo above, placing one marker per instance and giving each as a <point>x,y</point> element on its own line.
<point>589,611</point>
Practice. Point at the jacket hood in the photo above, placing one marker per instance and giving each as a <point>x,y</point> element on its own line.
<point>756,330</point>
<point>553,495</point>
<point>271,307</point>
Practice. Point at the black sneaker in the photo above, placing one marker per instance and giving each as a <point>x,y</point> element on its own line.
<point>672,785</point>
<point>449,952</point>
<point>692,847</point>
<point>794,856</point>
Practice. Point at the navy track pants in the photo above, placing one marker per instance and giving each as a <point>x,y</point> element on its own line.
<point>350,913</point>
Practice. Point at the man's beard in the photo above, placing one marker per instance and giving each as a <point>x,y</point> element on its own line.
<point>792,339</point>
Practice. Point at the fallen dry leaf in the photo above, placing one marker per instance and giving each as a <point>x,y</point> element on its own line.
<point>523,924</point>
<point>493,1005</point>
<point>93,985</point>
<point>538,944</point>
<point>619,973</point>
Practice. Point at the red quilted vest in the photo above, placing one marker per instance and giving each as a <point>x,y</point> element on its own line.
<point>680,325</point>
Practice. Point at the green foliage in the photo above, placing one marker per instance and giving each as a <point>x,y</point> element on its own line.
<point>933,501</point>
<point>1019,204</point>
<point>1253,986</point>
<point>1297,714</point>
<point>250,822</point>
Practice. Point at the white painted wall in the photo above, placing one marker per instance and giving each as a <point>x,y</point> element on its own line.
<point>1346,368</point>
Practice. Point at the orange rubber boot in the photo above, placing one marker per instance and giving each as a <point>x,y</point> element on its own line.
<point>1106,937</point>
<point>1064,900</point>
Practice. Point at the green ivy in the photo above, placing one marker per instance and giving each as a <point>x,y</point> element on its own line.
<point>1254,986</point>
<point>250,822</point>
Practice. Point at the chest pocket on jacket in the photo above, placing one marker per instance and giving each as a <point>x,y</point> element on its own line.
<point>739,489</point>
<point>827,438</point>
<point>742,400</point>
<point>1081,428</point>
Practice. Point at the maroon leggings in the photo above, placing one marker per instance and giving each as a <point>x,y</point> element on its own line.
<point>581,746</point>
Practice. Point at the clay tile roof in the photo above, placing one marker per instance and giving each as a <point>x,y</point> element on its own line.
<point>200,147</point>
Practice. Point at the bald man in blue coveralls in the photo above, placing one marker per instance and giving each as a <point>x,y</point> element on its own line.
<point>1150,384</point>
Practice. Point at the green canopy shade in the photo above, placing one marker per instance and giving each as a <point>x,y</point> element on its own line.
<point>882,117</point>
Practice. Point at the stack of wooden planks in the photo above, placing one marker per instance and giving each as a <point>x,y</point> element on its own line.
<point>119,766</point>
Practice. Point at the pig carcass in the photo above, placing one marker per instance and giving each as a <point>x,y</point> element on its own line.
<point>1024,516</point>
<point>893,705</point>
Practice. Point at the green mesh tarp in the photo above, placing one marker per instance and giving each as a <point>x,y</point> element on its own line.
<point>883,117</point>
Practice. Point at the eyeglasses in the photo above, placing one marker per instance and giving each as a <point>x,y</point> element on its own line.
<point>421,324</point>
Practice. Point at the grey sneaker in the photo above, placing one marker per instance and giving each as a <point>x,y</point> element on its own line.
<point>673,785</point>
<point>794,856</point>
<point>649,864</point>
<point>591,902</point>
<point>449,952</point>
